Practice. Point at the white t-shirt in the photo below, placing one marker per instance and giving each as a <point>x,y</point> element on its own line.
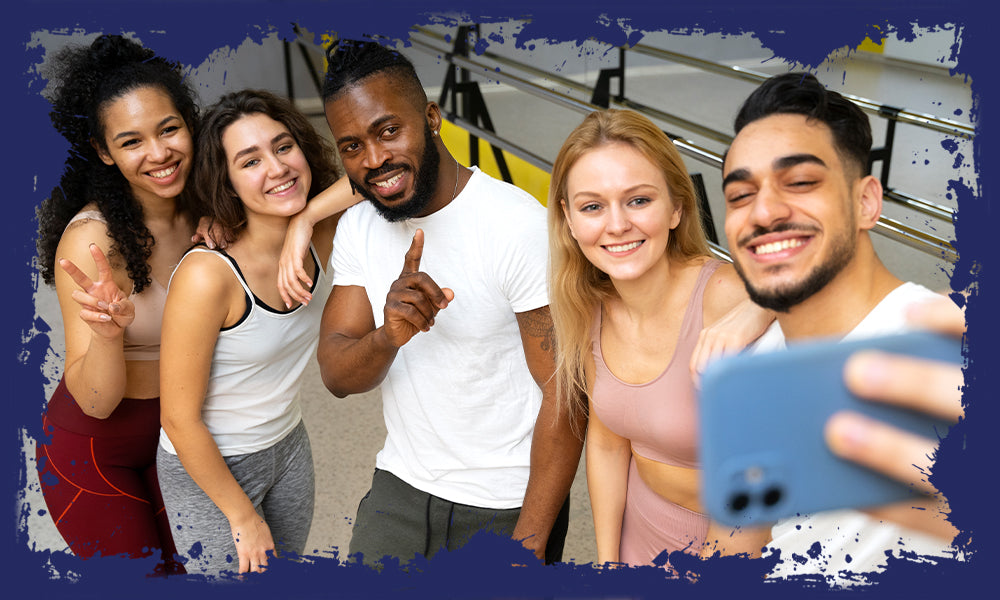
<point>850,541</point>
<point>459,402</point>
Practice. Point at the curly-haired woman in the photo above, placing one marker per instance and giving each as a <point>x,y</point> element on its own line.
<point>115,226</point>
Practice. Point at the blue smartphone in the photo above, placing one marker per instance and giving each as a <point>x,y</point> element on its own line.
<point>763,454</point>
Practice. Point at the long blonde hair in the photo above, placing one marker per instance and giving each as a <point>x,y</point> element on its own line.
<point>576,287</point>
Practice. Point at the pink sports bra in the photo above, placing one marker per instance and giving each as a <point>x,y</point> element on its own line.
<point>142,337</point>
<point>659,417</point>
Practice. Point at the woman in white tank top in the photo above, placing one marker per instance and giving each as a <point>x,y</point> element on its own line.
<point>233,352</point>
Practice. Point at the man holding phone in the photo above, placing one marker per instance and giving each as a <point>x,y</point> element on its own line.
<point>800,204</point>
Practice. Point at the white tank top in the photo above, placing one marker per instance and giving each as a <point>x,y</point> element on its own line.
<point>252,400</point>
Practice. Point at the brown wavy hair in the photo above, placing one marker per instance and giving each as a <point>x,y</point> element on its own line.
<point>211,175</point>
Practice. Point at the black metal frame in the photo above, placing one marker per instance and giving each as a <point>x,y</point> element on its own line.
<point>466,94</point>
<point>884,154</point>
<point>304,52</point>
<point>602,89</point>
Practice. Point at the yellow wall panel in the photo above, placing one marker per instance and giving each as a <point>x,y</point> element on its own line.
<point>526,176</point>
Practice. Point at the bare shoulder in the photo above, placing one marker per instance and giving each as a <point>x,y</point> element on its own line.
<point>205,274</point>
<point>723,291</point>
<point>74,246</point>
<point>80,234</point>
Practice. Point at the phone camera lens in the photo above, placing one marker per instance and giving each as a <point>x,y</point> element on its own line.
<point>738,502</point>
<point>772,496</point>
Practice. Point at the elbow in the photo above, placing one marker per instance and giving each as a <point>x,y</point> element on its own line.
<point>334,389</point>
<point>92,402</point>
<point>97,412</point>
<point>173,426</point>
<point>334,378</point>
<point>95,408</point>
<point>335,384</point>
<point>169,425</point>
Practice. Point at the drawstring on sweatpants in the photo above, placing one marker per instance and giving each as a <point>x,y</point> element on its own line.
<point>447,531</point>
<point>427,526</point>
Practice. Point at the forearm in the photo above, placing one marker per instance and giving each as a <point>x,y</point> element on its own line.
<point>332,200</point>
<point>555,456</point>
<point>97,379</point>
<point>353,366</point>
<point>608,457</point>
<point>607,483</point>
<point>200,456</point>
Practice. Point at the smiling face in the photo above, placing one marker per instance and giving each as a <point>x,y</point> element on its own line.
<point>148,140</point>
<point>266,166</point>
<point>386,142</point>
<point>792,212</point>
<point>619,210</point>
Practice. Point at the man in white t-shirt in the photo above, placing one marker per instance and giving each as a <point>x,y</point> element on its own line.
<point>440,300</point>
<point>799,208</point>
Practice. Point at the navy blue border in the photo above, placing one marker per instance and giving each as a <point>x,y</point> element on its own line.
<point>188,31</point>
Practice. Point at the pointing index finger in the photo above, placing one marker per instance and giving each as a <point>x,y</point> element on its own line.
<point>411,262</point>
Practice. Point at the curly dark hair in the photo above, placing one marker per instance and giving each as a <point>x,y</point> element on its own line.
<point>803,94</point>
<point>210,179</point>
<point>86,79</point>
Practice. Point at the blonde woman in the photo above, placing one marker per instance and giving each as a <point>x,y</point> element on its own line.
<point>632,286</point>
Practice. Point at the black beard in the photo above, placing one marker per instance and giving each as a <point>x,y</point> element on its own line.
<point>423,189</point>
<point>783,299</point>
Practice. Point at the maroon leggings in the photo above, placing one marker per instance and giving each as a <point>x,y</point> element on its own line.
<point>98,477</point>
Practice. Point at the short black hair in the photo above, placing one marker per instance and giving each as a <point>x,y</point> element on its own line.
<point>351,61</point>
<point>803,94</point>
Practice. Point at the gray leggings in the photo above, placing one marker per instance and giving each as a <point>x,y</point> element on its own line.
<point>278,480</point>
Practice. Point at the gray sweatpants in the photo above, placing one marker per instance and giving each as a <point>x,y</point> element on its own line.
<point>396,519</point>
<point>278,480</point>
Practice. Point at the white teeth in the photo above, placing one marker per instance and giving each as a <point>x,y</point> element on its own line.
<point>164,173</point>
<point>624,247</point>
<point>778,246</point>
<point>388,183</point>
<point>281,188</point>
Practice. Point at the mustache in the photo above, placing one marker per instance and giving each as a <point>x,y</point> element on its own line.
<point>382,171</point>
<point>779,228</point>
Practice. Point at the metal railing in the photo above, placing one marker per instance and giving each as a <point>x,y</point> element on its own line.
<point>485,66</point>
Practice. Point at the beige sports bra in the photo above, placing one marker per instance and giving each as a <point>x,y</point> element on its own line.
<point>142,337</point>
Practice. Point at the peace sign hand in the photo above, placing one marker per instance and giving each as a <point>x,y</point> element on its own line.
<point>414,298</point>
<point>104,307</point>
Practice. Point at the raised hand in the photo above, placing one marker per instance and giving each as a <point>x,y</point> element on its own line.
<point>291,270</point>
<point>413,299</point>
<point>921,385</point>
<point>743,324</point>
<point>104,307</point>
